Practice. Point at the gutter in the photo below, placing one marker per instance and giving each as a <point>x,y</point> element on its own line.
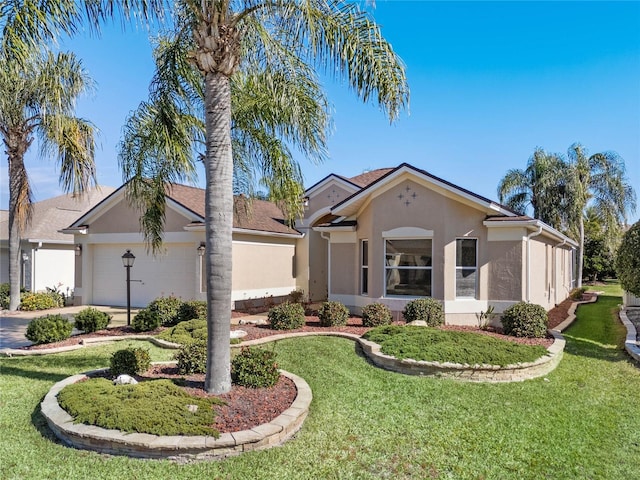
<point>328,239</point>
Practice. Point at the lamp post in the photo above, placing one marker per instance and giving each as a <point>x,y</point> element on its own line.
<point>127,260</point>
<point>25,259</point>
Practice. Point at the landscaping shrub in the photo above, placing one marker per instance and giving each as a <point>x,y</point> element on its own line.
<point>192,358</point>
<point>296,296</point>
<point>91,320</point>
<point>4,295</point>
<point>57,296</point>
<point>424,309</point>
<point>627,261</point>
<point>255,368</point>
<point>186,332</point>
<point>376,314</point>
<point>576,293</point>
<point>166,308</point>
<point>525,320</point>
<point>333,314</point>
<point>130,361</point>
<point>191,310</point>
<point>286,316</point>
<point>47,329</point>
<point>145,321</point>
<point>38,301</point>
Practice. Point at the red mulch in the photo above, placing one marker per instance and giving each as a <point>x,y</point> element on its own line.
<point>246,408</point>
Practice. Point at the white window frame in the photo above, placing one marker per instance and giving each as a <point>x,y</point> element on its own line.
<point>364,269</point>
<point>455,277</point>
<point>413,267</point>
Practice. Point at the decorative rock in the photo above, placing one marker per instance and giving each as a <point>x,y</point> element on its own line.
<point>238,333</point>
<point>252,321</point>
<point>192,408</point>
<point>418,323</point>
<point>125,380</point>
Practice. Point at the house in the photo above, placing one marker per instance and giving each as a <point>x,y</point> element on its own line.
<point>47,255</point>
<point>393,235</point>
<point>390,235</point>
<point>264,251</point>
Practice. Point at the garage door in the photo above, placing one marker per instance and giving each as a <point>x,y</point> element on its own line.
<point>172,273</point>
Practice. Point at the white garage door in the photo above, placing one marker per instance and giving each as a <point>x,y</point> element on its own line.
<point>170,274</point>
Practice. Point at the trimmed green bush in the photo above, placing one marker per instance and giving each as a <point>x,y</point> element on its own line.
<point>576,293</point>
<point>192,358</point>
<point>186,332</point>
<point>333,314</point>
<point>166,308</point>
<point>4,295</point>
<point>130,361</point>
<point>627,260</point>
<point>145,321</point>
<point>525,320</point>
<point>376,314</point>
<point>91,320</point>
<point>48,329</point>
<point>424,309</point>
<point>286,316</point>
<point>193,309</point>
<point>255,368</point>
<point>38,301</point>
<point>156,407</point>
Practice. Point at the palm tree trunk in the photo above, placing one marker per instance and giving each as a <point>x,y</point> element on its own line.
<point>580,252</point>
<point>19,208</point>
<point>219,224</point>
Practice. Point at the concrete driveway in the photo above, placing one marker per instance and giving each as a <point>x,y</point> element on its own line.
<point>13,325</point>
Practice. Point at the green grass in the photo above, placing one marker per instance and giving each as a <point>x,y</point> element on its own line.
<point>580,423</point>
<point>430,344</point>
<point>156,407</point>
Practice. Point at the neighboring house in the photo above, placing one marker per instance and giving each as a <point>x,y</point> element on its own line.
<point>389,236</point>
<point>264,251</point>
<point>47,256</point>
<point>393,235</point>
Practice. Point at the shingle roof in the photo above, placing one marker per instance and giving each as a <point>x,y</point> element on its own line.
<point>56,213</point>
<point>367,178</point>
<point>259,215</point>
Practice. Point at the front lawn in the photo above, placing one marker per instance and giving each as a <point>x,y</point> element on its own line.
<point>434,345</point>
<point>365,422</point>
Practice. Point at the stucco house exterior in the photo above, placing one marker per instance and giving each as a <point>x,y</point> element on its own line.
<point>264,251</point>
<point>389,235</point>
<point>393,235</point>
<point>47,256</point>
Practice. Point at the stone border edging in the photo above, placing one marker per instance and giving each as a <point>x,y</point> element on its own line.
<point>176,447</point>
<point>18,352</point>
<point>631,344</point>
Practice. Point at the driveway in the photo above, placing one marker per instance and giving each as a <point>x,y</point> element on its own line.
<point>13,325</point>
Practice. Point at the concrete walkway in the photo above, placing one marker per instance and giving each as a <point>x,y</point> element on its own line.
<point>13,325</point>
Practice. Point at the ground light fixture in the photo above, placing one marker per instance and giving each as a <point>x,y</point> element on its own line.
<point>127,260</point>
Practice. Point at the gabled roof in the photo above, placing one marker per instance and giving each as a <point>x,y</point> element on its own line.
<point>249,215</point>
<point>345,182</point>
<point>367,178</point>
<point>53,214</point>
<point>350,205</point>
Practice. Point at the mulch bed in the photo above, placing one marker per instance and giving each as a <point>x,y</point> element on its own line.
<point>246,408</point>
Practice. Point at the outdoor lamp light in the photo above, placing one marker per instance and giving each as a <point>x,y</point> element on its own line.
<point>201,249</point>
<point>127,260</point>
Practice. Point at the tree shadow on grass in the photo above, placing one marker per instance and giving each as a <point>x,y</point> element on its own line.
<point>42,367</point>
<point>583,347</point>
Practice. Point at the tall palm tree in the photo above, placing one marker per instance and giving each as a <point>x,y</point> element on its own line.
<point>239,41</point>
<point>541,186</point>
<point>599,181</point>
<point>38,99</point>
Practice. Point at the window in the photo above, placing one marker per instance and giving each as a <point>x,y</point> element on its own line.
<point>364,267</point>
<point>408,266</point>
<point>466,267</point>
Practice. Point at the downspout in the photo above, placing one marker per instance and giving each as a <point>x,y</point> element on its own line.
<point>328,239</point>
<point>555,273</point>
<point>529,237</point>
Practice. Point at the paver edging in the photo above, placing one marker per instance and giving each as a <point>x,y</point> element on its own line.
<point>115,442</point>
<point>631,344</point>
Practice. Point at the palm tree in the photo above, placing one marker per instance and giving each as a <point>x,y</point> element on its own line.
<point>262,43</point>
<point>599,181</point>
<point>541,186</point>
<point>38,99</point>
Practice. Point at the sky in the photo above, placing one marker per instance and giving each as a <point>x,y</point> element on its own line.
<point>490,82</point>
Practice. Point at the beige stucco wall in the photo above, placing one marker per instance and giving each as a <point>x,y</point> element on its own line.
<point>263,263</point>
<point>329,195</point>
<point>343,268</point>
<point>550,274</point>
<point>121,218</point>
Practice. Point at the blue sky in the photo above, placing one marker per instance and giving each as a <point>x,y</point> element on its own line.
<point>490,82</point>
